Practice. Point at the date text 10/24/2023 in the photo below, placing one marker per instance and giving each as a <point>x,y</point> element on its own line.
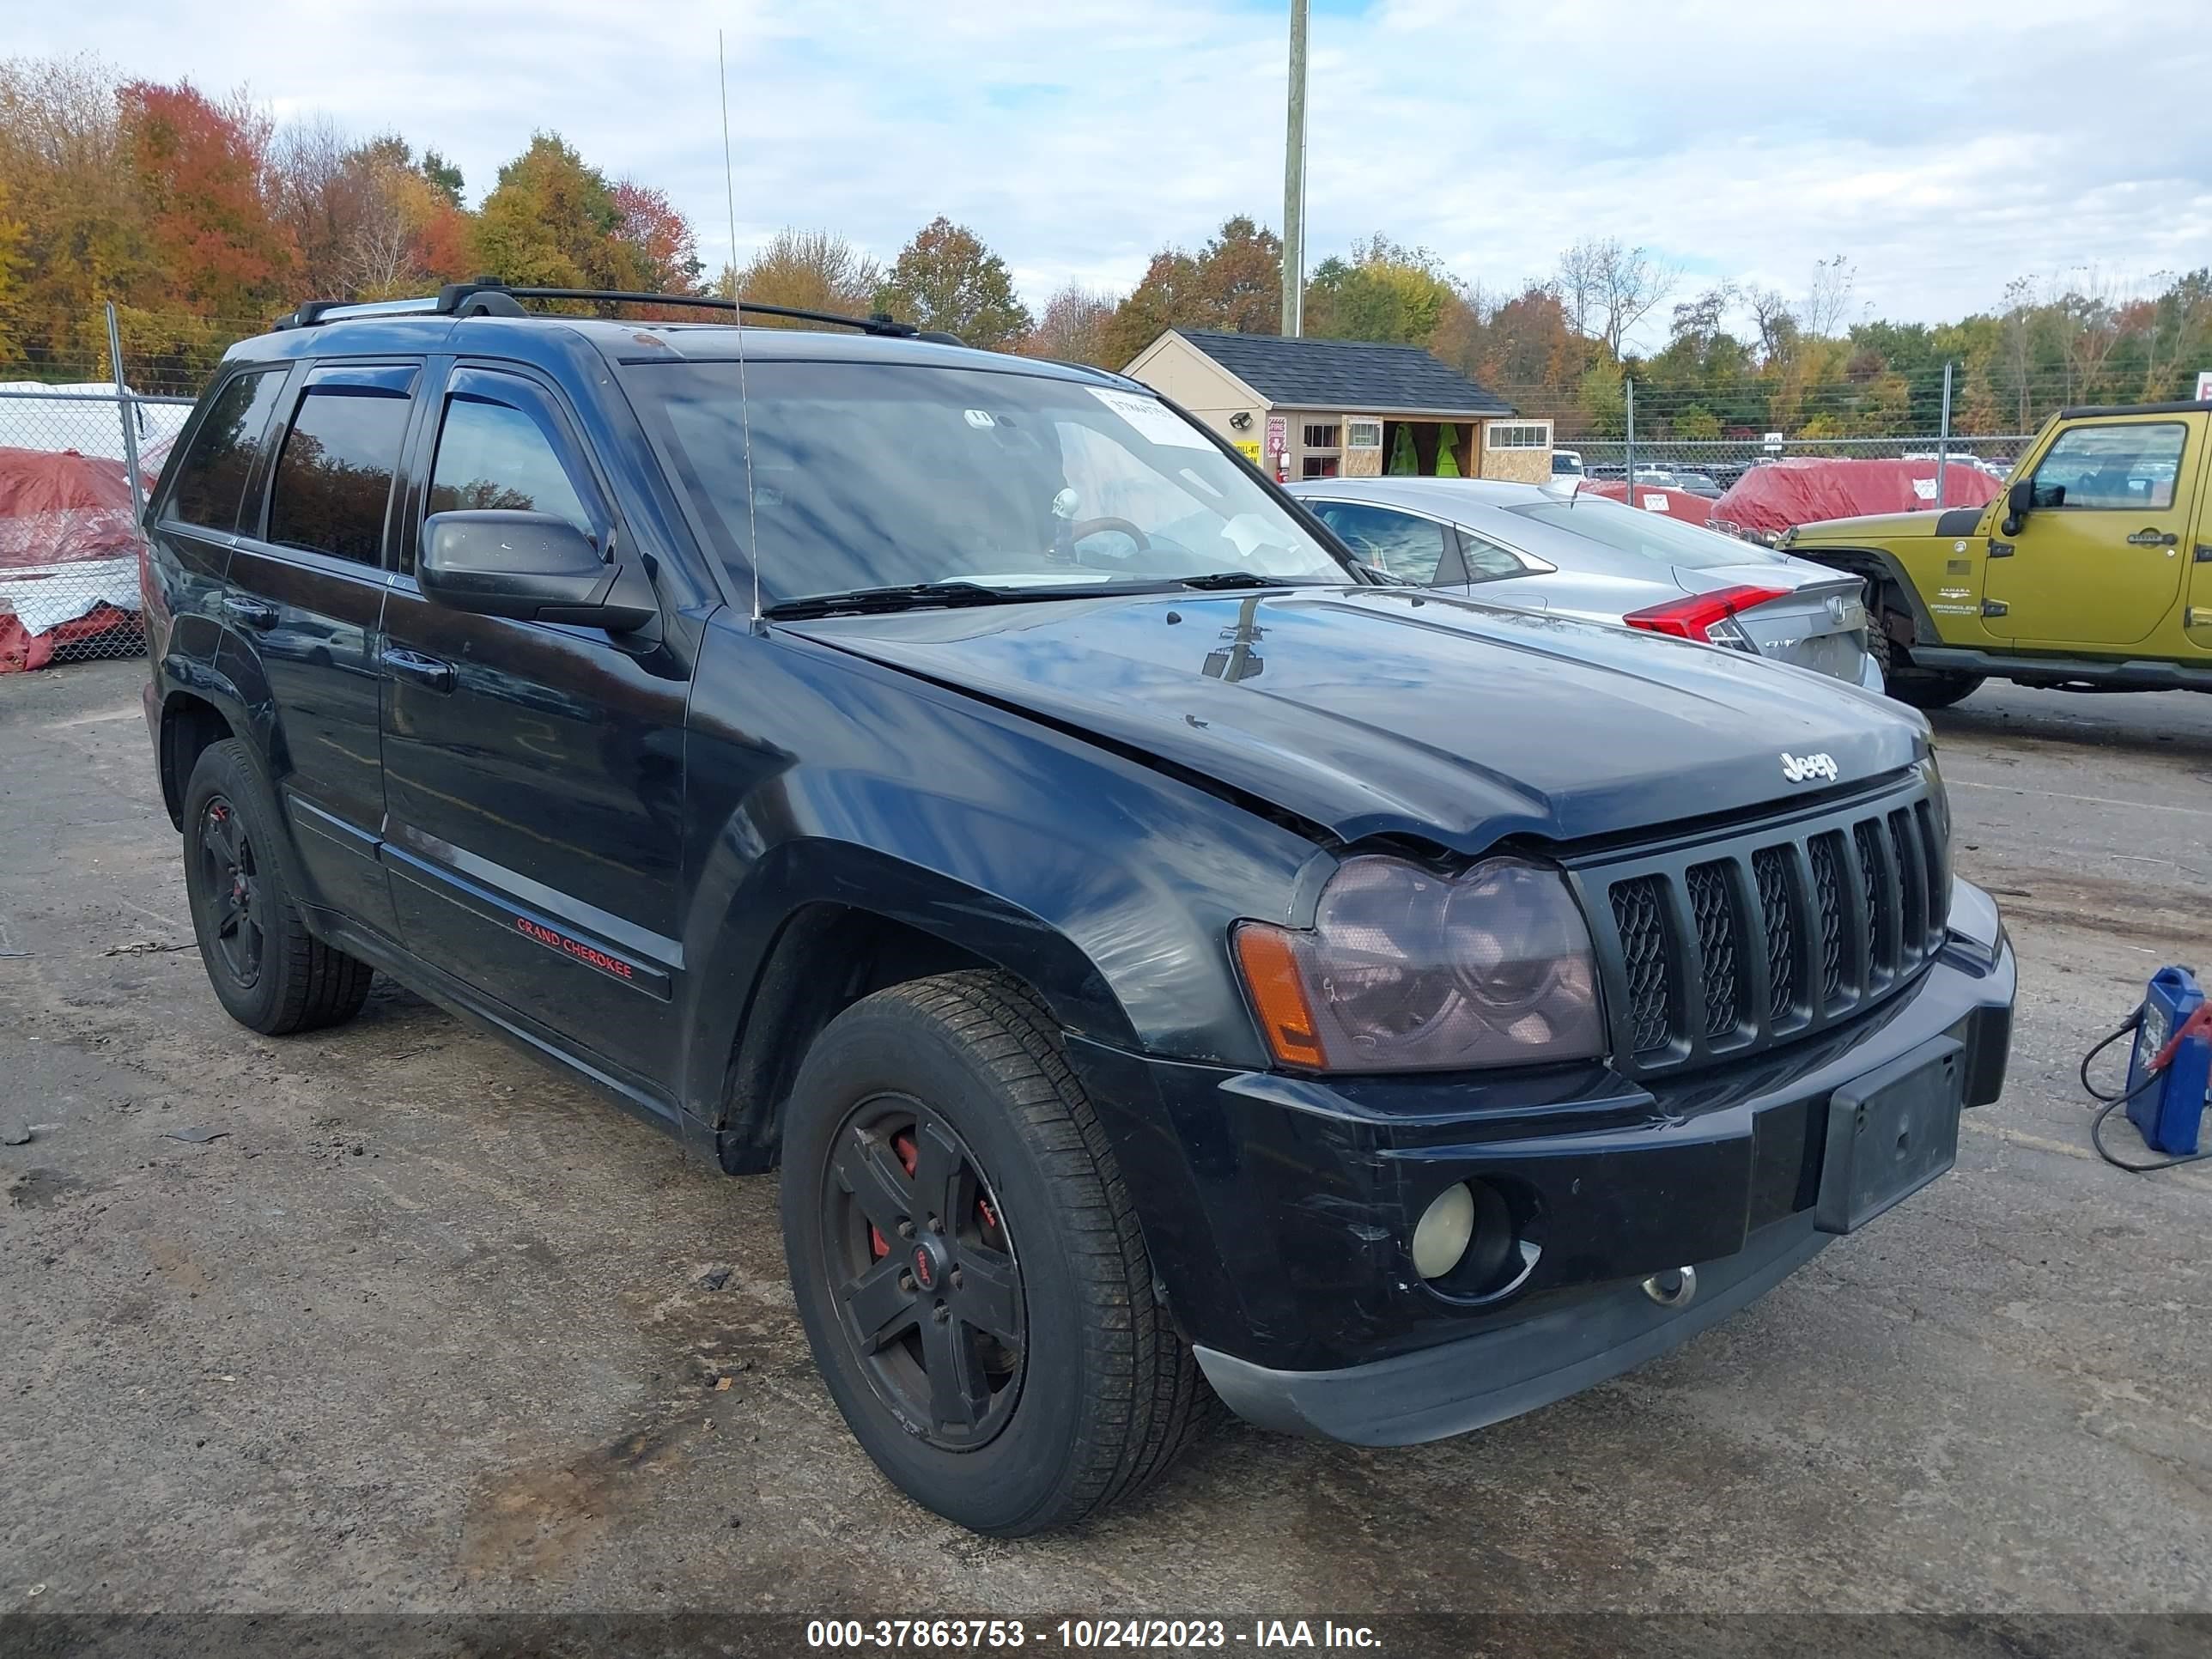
<point>1085,1634</point>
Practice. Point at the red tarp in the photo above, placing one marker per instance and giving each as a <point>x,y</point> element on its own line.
<point>1804,489</point>
<point>62,508</point>
<point>1679,503</point>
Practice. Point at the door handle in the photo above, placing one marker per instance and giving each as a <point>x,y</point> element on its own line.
<point>423,671</point>
<point>2153,538</point>
<point>253,613</point>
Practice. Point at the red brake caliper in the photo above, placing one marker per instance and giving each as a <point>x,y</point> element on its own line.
<point>908,1154</point>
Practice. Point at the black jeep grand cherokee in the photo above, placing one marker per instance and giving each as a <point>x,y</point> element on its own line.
<point>1158,952</point>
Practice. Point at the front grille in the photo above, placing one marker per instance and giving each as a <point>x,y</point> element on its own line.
<point>1828,902</point>
<point>1714,911</point>
<point>1643,936</point>
<point>1770,864</point>
<point>1718,950</point>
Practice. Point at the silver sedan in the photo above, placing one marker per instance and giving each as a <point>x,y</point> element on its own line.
<point>1548,549</point>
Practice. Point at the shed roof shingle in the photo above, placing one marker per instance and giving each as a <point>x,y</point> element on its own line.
<point>1345,374</point>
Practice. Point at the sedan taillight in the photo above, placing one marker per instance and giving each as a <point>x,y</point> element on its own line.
<point>1708,618</point>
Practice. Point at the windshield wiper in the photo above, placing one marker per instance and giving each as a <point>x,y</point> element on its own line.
<point>911,595</point>
<point>1223,578</point>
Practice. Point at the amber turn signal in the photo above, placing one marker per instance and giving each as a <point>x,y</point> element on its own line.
<point>1270,964</point>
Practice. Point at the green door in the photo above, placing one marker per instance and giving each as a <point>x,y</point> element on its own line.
<point>2100,560</point>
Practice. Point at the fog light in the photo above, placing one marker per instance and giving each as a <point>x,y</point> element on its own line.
<point>1441,1237</point>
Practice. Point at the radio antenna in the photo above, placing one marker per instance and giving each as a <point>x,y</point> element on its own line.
<point>744,409</point>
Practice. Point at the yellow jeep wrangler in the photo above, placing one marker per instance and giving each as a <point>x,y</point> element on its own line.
<point>2092,571</point>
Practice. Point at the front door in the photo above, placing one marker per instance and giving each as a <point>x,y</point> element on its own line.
<point>2100,559</point>
<point>534,771</point>
<point>305,596</point>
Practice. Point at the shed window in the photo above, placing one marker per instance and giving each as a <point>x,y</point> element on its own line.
<point>1517,435</point>
<point>1323,436</point>
<point>1362,435</point>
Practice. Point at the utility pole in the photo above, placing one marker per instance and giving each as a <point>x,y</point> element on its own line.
<point>1943,438</point>
<point>1628,393</point>
<point>1294,183</point>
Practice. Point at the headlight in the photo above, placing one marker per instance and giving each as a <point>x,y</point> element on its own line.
<point>1406,970</point>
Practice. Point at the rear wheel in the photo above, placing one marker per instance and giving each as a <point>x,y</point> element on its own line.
<point>967,1263</point>
<point>268,971</point>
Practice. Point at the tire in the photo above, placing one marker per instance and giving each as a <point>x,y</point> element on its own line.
<point>1087,1392</point>
<point>1930,688</point>
<point>269,972</point>
<point>1923,687</point>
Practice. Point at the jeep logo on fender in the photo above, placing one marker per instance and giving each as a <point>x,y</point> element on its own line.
<point>1798,767</point>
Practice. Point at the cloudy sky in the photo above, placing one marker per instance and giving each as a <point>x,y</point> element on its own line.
<point>1946,146</point>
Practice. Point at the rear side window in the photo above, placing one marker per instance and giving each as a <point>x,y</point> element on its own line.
<point>211,478</point>
<point>500,447</point>
<point>2113,468</point>
<point>1396,542</point>
<point>1486,561</point>
<point>333,483</point>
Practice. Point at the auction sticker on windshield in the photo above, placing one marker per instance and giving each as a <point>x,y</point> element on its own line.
<point>1152,419</point>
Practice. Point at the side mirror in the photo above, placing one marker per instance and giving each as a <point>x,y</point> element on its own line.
<point>2018,500</point>
<point>536,566</point>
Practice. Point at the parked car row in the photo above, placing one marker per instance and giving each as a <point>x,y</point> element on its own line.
<point>1173,937</point>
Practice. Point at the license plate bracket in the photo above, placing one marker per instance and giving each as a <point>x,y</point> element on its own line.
<point>1890,1134</point>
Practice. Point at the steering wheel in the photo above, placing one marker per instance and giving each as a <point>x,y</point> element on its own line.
<point>1082,527</point>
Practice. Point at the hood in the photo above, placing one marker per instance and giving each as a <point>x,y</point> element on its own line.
<point>1870,524</point>
<point>1394,711</point>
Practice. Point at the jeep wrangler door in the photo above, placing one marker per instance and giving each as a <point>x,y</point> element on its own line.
<point>533,770</point>
<point>2098,561</point>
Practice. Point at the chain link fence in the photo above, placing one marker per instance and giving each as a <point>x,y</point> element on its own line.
<point>1721,461</point>
<point>69,517</point>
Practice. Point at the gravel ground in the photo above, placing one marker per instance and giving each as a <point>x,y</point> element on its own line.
<point>422,1328</point>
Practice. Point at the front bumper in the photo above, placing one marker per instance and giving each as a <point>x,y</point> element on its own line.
<point>1278,1210</point>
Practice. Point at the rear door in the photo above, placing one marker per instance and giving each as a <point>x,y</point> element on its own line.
<point>534,771</point>
<point>2100,560</point>
<point>1420,550</point>
<point>197,518</point>
<point>306,598</point>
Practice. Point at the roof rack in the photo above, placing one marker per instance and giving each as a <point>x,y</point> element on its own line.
<point>488,296</point>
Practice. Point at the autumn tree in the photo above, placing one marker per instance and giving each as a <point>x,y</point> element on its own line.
<point>1168,296</point>
<point>808,270</point>
<point>1071,328</point>
<point>660,237</point>
<point>1235,282</point>
<point>203,171</point>
<point>946,278</point>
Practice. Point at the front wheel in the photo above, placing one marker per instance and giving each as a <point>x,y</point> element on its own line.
<point>967,1263</point>
<point>1930,689</point>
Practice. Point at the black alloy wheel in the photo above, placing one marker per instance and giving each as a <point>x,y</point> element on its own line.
<point>929,1291</point>
<point>267,969</point>
<point>230,878</point>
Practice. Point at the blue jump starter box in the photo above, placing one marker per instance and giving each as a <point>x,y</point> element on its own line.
<point>2170,1114</point>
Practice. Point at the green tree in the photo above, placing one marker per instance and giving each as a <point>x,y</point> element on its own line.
<point>1447,440</point>
<point>552,221</point>
<point>946,278</point>
<point>443,176</point>
<point>1384,292</point>
<point>1234,283</point>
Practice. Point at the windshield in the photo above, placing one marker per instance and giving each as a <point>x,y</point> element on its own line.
<point>879,475</point>
<point>1652,535</point>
